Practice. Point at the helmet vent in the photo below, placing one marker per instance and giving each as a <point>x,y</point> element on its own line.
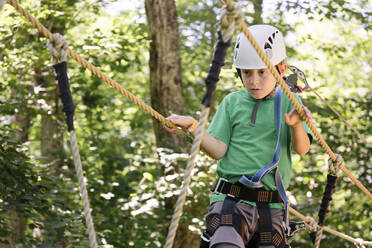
<point>267,45</point>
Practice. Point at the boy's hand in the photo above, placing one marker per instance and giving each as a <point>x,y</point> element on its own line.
<point>293,119</point>
<point>179,120</point>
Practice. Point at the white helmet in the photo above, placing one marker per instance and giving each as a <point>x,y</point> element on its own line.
<point>269,38</point>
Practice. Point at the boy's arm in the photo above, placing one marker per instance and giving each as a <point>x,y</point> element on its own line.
<point>212,146</point>
<point>300,139</point>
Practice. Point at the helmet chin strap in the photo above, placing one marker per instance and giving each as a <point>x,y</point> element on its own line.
<point>272,93</point>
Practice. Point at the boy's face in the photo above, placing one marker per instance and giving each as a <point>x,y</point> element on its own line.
<point>258,82</point>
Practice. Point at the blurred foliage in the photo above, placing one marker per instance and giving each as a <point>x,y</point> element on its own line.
<point>130,181</point>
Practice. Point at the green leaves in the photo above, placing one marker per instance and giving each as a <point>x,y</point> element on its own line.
<point>328,40</point>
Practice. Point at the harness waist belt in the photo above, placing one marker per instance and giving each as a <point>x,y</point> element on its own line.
<point>241,192</point>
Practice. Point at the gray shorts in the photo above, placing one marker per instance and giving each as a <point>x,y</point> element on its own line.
<point>249,214</point>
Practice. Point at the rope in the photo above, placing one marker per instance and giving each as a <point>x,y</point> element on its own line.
<point>332,177</point>
<point>303,79</point>
<point>359,244</point>
<point>83,190</point>
<point>319,234</point>
<point>187,178</point>
<point>57,48</point>
<point>310,222</point>
<point>229,15</point>
<point>334,166</point>
<point>161,118</point>
<point>230,19</point>
<point>336,112</point>
<point>43,30</point>
<point>295,103</point>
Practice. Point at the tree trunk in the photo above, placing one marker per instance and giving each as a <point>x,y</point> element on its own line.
<point>165,67</point>
<point>166,84</point>
<point>23,121</point>
<point>51,136</point>
<point>257,16</point>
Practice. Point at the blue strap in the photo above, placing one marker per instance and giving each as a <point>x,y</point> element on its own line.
<point>255,181</point>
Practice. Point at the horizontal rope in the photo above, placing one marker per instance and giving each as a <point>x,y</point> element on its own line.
<point>327,229</point>
<point>43,30</point>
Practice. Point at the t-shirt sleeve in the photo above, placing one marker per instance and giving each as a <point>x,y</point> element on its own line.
<point>220,127</point>
<point>305,126</point>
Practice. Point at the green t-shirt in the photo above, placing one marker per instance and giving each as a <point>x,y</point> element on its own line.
<point>251,147</point>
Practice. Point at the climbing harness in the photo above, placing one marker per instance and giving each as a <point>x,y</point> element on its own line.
<point>228,217</point>
<point>243,191</point>
<point>58,51</point>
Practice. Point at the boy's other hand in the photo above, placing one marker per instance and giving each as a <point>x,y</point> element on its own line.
<point>179,120</point>
<point>293,119</point>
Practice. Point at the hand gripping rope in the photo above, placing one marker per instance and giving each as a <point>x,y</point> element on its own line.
<point>58,51</point>
<point>211,81</point>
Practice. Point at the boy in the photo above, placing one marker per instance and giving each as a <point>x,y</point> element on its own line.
<point>243,136</point>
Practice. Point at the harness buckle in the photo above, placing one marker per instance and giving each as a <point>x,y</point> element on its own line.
<point>218,184</point>
<point>206,237</point>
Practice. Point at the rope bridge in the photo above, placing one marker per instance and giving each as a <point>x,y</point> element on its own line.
<point>232,19</point>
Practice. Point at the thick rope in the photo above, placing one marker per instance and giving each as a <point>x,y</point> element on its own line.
<point>334,166</point>
<point>230,19</point>
<point>311,223</point>
<point>319,235</point>
<point>83,190</point>
<point>294,101</point>
<point>43,30</point>
<point>333,175</point>
<point>187,178</point>
<point>359,243</point>
<point>57,48</point>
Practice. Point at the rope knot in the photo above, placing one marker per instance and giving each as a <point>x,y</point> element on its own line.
<point>334,166</point>
<point>231,17</point>
<point>58,48</point>
<point>311,224</point>
<point>359,243</point>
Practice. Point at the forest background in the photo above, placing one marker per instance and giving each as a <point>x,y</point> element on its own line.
<point>133,169</point>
